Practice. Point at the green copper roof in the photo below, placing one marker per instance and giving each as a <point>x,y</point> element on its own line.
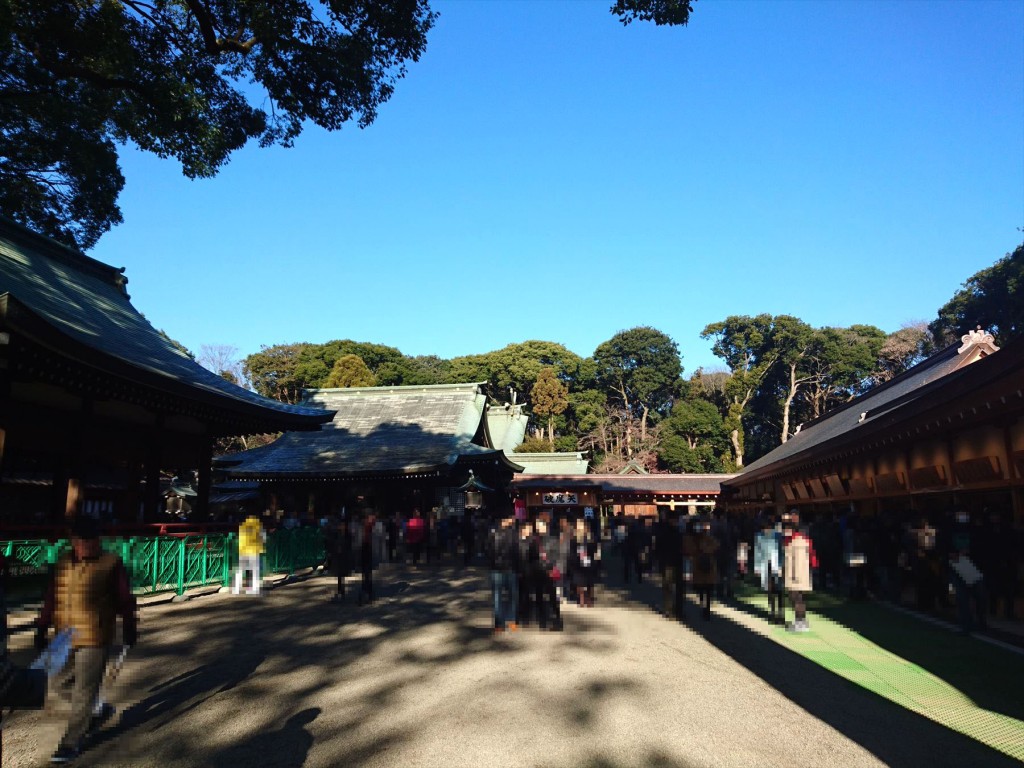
<point>551,463</point>
<point>83,307</point>
<point>378,430</point>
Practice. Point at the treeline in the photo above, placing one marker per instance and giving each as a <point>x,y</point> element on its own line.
<point>630,401</point>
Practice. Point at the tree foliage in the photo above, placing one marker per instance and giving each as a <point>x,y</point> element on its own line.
<point>192,80</point>
<point>189,79</point>
<point>350,371</point>
<point>274,372</point>
<point>992,299</point>
<point>549,398</point>
<point>661,12</point>
<point>639,369</point>
<point>693,438</point>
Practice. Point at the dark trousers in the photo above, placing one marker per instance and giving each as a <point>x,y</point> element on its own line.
<point>776,609</point>
<point>416,549</point>
<point>366,588</point>
<point>631,562</point>
<point>537,588</point>
<point>467,550</point>
<point>704,593</point>
<point>343,571</point>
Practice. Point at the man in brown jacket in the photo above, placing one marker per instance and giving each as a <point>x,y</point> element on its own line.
<point>89,589</point>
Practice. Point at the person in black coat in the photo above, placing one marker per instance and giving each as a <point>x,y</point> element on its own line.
<point>631,548</point>
<point>468,537</point>
<point>366,562</point>
<point>342,556</point>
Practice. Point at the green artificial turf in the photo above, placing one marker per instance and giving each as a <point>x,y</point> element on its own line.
<point>967,685</point>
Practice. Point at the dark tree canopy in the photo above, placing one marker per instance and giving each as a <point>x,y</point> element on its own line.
<point>991,299</point>
<point>661,12</point>
<point>192,80</point>
<point>189,79</point>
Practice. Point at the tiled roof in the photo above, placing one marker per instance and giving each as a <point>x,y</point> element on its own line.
<point>551,463</point>
<point>665,483</point>
<point>376,430</point>
<point>86,303</point>
<point>878,408</point>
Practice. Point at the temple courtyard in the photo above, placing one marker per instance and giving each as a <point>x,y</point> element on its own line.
<point>289,679</point>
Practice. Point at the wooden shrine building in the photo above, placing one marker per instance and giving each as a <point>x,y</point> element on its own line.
<point>946,433</point>
<point>636,495</point>
<point>388,449</point>
<point>95,402</point>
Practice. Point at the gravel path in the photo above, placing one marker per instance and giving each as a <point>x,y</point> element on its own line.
<point>417,679</point>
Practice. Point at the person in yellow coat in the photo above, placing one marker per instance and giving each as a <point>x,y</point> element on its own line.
<point>251,544</point>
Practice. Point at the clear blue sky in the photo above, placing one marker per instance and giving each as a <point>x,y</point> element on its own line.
<point>545,173</point>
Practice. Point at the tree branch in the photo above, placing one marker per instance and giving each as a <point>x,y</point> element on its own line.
<point>216,44</point>
<point>64,68</point>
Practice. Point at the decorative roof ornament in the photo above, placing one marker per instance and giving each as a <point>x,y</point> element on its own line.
<point>980,340</point>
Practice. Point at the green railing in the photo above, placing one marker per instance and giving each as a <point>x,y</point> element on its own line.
<point>175,564</point>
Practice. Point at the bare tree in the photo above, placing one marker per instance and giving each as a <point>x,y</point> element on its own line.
<point>223,360</point>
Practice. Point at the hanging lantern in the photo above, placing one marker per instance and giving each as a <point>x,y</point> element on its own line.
<point>474,491</point>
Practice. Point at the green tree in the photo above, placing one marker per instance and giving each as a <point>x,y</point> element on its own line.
<point>549,398</point>
<point>189,79</point>
<point>350,371</point>
<point>274,372</point>
<point>423,369</point>
<point>661,12</point>
<point>744,343</point>
<point>992,299</point>
<point>842,363</point>
<point>693,438</point>
<point>639,369</point>
<point>533,444</point>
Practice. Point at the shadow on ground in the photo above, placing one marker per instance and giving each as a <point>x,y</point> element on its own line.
<point>284,652</point>
<point>897,736</point>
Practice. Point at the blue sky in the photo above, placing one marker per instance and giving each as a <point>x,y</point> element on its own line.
<point>545,173</point>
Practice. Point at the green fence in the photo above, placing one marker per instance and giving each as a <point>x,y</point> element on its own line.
<point>169,563</point>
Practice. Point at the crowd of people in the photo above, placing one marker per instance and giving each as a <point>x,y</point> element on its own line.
<point>953,562</point>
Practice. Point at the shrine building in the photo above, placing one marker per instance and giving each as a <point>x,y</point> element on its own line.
<point>948,433</point>
<point>94,401</point>
<point>387,450</point>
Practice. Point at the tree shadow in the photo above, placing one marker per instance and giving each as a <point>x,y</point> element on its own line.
<point>894,734</point>
<point>284,747</point>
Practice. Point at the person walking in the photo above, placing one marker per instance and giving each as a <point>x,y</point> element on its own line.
<point>768,566</point>
<point>392,532</point>
<point>251,544</point>
<point>89,590</point>
<point>416,535</point>
<point>549,575</point>
<point>342,557</point>
<point>366,562</point>
<point>380,541</point>
<point>800,558</point>
<point>503,554</point>
<point>529,561</point>
<point>468,537</point>
<point>705,565</point>
<point>630,548</point>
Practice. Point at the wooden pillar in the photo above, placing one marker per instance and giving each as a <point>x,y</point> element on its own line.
<point>202,506</point>
<point>154,454</point>
<point>1011,473</point>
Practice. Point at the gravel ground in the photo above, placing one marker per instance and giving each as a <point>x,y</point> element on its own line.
<point>417,679</point>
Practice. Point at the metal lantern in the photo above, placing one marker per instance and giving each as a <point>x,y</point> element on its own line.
<point>474,491</point>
